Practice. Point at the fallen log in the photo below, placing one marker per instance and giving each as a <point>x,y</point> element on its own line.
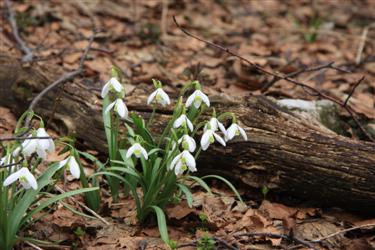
<point>286,153</point>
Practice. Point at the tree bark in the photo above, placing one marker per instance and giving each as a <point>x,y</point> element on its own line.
<point>285,152</point>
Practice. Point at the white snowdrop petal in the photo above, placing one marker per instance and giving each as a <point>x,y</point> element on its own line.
<point>190,100</point>
<point>63,163</point>
<point>165,97</point>
<point>205,140</point>
<point>12,178</point>
<point>190,161</point>
<point>191,143</point>
<point>29,147</point>
<point>221,127</point>
<point>213,123</point>
<point>190,125</point>
<point>205,99</point>
<point>177,123</point>
<point>120,108</point>
<point>144,153</point>
<point>178,168</point>
<point>116,84</point>
<point>105,90</point>
<point>174,162</point>
<point>231,131</point>
<point>130,151</point>
<point>243,133</point>
<point>30,179</point>
<point>74,167</point>
<point>151,97</point>
<point>109,107</point>
<point>219,139</point>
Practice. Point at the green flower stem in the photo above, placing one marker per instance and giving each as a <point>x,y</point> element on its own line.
<point>198,152</point>
<point>151,117</point>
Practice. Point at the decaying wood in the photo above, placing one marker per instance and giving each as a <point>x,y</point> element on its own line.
<point>284,152</point>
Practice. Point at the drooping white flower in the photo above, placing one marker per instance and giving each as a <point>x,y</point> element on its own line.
<point>234,130</point>
<point>137,150</point>
<point>209,137</point>
<point>112,84</point>
<point>197,98</point>
<point>26,178</point>
<point>120,107</point>
<point>159,96</point>
<point>188,143</point>
<point>71,164</point>
<point>183,120</point>
<point>215,124</point>
<point>182,162</point>
<point>39,146</point>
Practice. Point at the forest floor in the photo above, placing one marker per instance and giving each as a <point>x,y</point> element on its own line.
<point>141,39</point>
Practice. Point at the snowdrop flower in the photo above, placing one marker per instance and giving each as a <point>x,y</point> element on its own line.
<point>215,124</point>
<point>137,150</point>
<point>40,146</point>
<point>112,84</point>
<point>183,120</point>
<point>24,176</point>
<point>197,98</point>
<point>72,165</point>
<point>209,137</point>
<point>159,96</point>
<point>182,162</point>
<point>234,130</point>
<point>188,143</point>
<point>119,107</point>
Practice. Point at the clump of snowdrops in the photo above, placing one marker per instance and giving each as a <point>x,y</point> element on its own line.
<point>161,165</point>
<point>23,187</point>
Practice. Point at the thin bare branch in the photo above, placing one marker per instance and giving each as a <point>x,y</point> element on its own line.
<point>18,138</point>
<point>28,53</point>
<point>342,232</point>
<point>352,91</point>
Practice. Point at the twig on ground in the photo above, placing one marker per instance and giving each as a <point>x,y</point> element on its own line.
<point>282,236</point>
<point>29,56</point>
<point>277,76</point>
<point>84,206</point>
<point>32,245</point>
<point>342,232</point>
<point>352,91</point>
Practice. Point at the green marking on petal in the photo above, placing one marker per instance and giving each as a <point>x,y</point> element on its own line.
<point>185,145</point>
<point>158,97</point>
<point>137,152</point>
<point>211,139</point>
<point>183,160</point>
